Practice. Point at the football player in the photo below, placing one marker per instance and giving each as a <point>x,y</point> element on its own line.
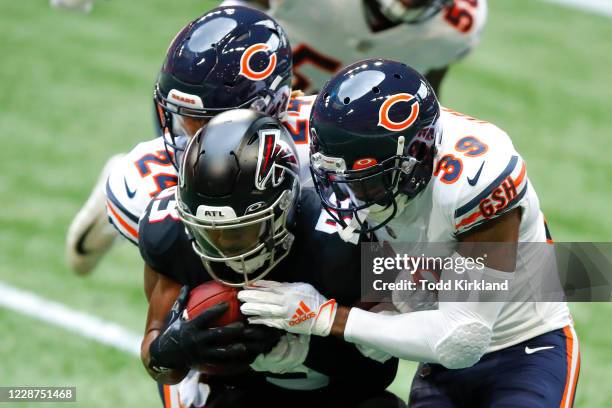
<point>238,215</point>
<point>410,170</point>
<point>430,35</point>
<point>231,57</point>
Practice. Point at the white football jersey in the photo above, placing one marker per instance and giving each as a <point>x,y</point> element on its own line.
<point>328,35</point>
<point>146,170</point>
<point>139,176</point>
<point>478,175</point>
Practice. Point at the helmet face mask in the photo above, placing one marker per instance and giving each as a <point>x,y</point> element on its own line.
<point>250,245</point>
<point>346,193</point>
<point>179,124</point>
<point>237,195</point>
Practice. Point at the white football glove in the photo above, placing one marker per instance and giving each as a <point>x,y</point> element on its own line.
<point>287,356</point>
<point>192,393</point>
<point>293,307</point>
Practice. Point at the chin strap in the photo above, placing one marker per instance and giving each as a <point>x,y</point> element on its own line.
<point>348,234</point>
<point>357,222</point>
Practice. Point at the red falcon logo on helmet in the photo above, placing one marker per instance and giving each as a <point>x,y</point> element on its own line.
<point>245,60</point>
<point>383,113</point>
<point>274,156</point>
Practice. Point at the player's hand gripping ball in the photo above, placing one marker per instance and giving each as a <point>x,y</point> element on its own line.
<point>199,339</point>
<point>253,341</point>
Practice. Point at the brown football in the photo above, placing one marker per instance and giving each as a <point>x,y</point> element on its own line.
<point>205,296</point>
<point>211,293</point>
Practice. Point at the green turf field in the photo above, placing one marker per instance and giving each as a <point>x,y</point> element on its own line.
<point>76,89</point>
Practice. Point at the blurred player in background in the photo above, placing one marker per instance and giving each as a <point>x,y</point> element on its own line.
<point>84,6</point>
<point>429,35</point>
<point>232,57</point>
<point>411,172</point>
<point>238,215</point>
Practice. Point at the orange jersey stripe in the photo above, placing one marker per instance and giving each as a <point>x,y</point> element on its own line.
<point>469,219</point>
<point>521,176</point>
<point>167,401</point>
<point>570,383</point>
<point>124,224</point>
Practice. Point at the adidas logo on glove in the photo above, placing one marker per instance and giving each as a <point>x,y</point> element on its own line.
<point>302,313</point>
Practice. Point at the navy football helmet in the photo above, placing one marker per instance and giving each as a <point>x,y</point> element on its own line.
<point>237,195</point>
<point>373,128</point>
<point>231,57</point>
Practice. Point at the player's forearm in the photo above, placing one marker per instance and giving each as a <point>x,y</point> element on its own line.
<point>456,335</point>
<point>397,335</point>
<point>169,376</point>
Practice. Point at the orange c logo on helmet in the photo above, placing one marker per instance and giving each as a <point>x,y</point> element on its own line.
<point>246,70</point>
<point>383,113</point>
<point>361,164</point>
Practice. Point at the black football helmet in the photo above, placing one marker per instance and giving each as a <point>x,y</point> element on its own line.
<point>238,191</point>
<point>373,129</point>
<point>231,57</point>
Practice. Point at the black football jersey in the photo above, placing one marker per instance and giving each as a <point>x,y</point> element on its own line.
<point>316,257</point>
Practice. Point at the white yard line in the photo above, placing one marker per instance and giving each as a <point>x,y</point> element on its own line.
<point>603,7</point>
<point>83,324</point>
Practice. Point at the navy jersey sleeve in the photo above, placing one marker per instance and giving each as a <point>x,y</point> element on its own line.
<point>158,231</point>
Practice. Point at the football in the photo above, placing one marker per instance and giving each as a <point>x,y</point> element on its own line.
<point>212,293</point>
<point>205,296</point>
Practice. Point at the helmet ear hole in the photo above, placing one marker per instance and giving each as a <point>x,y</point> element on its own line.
<point>347,100</point>
<point>376,90</point>
<point>397,76</point>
